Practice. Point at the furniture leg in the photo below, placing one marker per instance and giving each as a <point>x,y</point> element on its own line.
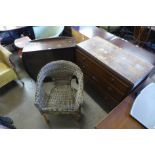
<point>46,118</point>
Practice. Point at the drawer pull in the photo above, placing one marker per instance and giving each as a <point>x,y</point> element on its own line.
<point>94,78</point>
<point>112,79</point>
<point>83,59</point>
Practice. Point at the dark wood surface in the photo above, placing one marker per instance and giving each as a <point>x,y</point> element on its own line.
<point>89,64</point>
<point>119,118</point>
<point>112,71</point>
<point>37,53</point>
<point>85,32</point>
<point>110,87</point>
<point>49,44</point>
<point>126,64</point>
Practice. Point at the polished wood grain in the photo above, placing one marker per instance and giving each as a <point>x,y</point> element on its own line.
<point>49,44</point>
<point>106,79</point>
<point>37,53</point>
<point>119,118</point>
<point>129,66</point>
<point>111,70</point>
<point>86,32</point>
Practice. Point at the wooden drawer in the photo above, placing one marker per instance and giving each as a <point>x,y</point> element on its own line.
<point>114,92</point>
<point>101,73</point>
<point>101,83</point>
<point>108,100</point>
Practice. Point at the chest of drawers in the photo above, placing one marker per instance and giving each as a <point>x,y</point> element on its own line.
<point>112,71</point>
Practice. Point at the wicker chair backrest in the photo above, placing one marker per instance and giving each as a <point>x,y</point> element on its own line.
<point>59,70</point>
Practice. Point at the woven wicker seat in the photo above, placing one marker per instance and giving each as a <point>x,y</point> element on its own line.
<point>62,98</point>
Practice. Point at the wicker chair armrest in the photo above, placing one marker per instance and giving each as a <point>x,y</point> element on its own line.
<point>79,97</point>
<point>40,93</point>
<point>79,94</point>
<point>39,97</point>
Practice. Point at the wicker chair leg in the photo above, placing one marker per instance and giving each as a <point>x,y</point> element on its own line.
<point>46,118</point>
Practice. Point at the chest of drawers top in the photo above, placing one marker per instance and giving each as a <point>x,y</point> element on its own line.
<point>123,63</point>
<point>48,44</point>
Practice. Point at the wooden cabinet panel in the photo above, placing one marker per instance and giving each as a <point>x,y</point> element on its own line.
<point>115,92</point>
<point>38,53</point>
<point>108,101</point>
<point>101,72</point>
<point>110,80</point>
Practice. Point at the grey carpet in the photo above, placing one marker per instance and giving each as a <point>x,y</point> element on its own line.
<point>17,102</point>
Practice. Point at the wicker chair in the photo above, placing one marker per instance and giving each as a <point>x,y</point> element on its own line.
<point>63,98</point>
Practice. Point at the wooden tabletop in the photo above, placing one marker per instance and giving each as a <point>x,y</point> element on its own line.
<point>126,64</point>
<point>49,44</point>
<point>91,31</point>
<point>119,117</point>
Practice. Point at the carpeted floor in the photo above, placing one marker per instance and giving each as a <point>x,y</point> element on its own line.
<point>17,102</point>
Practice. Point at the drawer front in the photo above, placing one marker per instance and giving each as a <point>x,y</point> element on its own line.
<point>115,93</point>
<point>108,101</point>
<point>101,72</point>
<point>101,83</point>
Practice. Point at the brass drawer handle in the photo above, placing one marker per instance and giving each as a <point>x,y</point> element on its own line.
<point>112,79</point>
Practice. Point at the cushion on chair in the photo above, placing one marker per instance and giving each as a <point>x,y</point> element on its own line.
<point>3,67</point>
<point>6,74</point>
<point>4,55</point>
